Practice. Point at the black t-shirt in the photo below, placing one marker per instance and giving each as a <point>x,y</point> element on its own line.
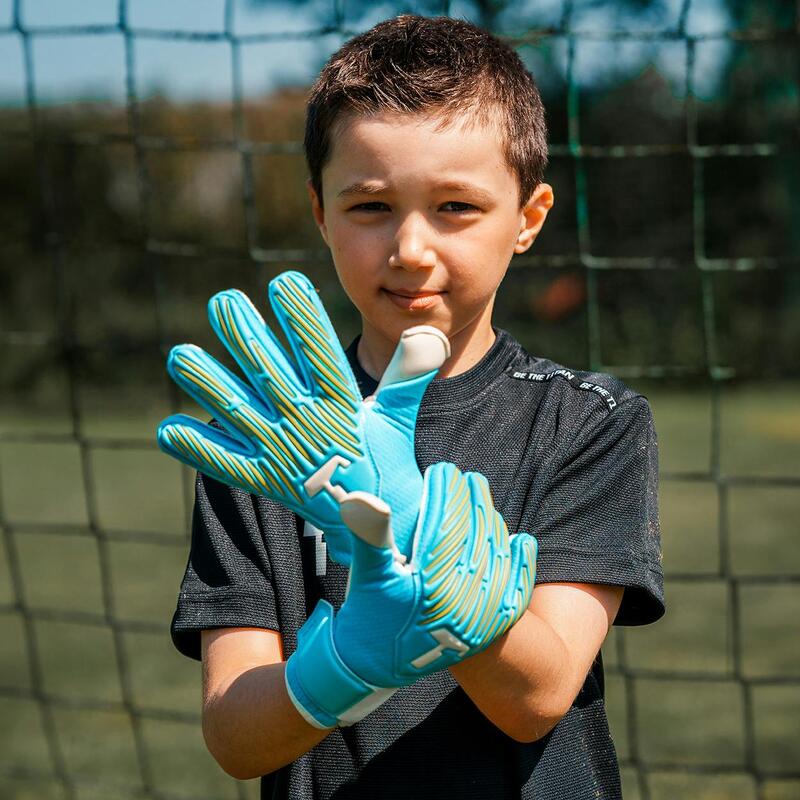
<point>570,457</point>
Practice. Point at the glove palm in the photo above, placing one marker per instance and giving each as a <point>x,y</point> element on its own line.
<point>298,431</point>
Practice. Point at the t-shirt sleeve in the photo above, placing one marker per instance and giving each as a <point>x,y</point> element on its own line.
<point>598,519</point>
<point>228,579</point>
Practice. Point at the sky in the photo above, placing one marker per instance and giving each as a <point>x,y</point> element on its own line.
<point>92,65</point>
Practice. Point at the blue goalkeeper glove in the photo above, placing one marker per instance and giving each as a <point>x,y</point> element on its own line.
<point>467,583</point>
<point>298,431</point>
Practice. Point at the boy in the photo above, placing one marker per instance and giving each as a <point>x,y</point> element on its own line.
<point>426,145</point>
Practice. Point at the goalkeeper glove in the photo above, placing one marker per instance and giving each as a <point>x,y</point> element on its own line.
<point>467,583</point>
<point>298,431</point>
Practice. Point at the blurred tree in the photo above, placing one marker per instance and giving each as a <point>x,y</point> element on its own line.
<point>106,214</point>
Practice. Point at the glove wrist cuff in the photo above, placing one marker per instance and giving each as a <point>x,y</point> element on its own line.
<point>322,687</point>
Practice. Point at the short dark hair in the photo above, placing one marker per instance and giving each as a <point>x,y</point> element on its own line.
<point>431,65</point>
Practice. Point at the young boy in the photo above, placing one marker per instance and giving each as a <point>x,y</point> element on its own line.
<point>426,144</point>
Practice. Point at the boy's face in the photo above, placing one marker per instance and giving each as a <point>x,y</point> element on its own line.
<point>422,223</point>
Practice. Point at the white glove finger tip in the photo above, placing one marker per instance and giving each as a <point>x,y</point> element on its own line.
<point>421,350</point>
<point>368,500</point>
<point>368,517</point>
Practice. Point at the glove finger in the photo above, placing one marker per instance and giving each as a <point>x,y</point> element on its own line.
<point>444,542</point>
<point>319,355</point>
<point>485,519</point>
<point>370,520</point>
<point>478,556</point>
<point>443,522</point>
<point>215,388</point>
<point>241,411</point>
<point>494,617</point>
<point>522,575</point>
<point>212,452</point>
<point>261,356</point>
<point>302,430</point>
<point>417,358</point>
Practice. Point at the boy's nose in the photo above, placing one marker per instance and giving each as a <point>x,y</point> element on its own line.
<point>412,246</point>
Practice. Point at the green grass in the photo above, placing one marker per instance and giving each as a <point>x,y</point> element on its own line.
<point>693,722</point>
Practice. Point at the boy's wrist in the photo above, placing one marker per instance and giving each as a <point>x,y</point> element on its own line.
<point>325,691</point>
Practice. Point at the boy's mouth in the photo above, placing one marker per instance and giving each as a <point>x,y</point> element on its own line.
<point>414,301</point>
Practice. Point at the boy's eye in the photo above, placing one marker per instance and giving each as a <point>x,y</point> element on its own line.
<point>375,206</point>
<point>458,207</point>
<point>454,206</point>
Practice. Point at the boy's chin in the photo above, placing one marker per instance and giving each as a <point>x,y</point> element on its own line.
<point>391,326</point>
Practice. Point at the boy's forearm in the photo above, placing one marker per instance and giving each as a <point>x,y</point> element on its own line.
<point>252,727</point>
<point>522,682</point>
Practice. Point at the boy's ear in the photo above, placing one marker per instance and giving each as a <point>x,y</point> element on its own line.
<point>532,216</point>
<point>317,210</point>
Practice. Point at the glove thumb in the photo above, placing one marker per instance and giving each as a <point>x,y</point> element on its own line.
<point>370,520</point>
<point>416,360</point>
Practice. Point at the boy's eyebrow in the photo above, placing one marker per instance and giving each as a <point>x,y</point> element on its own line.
<point>366,187</point>
<point>361,187</point>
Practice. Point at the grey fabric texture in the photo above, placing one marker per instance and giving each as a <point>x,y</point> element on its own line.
<point>570,457</point>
